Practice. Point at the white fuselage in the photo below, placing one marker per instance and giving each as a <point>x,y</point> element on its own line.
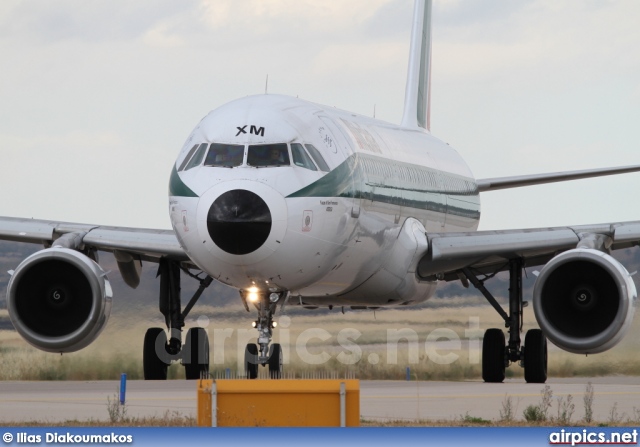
<point>350,236</point>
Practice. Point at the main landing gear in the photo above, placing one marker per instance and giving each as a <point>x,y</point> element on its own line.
<point>158,351</point>
<point>497,354</point>
<point>262,353</point>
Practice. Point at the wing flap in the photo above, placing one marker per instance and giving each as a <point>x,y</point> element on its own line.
<point>137,241</point>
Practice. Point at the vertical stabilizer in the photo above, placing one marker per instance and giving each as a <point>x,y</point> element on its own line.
<point>417,99</point>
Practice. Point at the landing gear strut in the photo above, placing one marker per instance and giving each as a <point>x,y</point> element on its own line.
<point>158,352</point>
<point>262,353</point>
<point>498,354</point>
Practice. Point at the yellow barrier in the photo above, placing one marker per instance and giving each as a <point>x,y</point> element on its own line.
<point>279,403</point>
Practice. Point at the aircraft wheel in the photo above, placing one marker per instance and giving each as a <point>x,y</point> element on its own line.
<point>251,361</point>
<point>196,353</point>
<point>275,361</point>
<point>493,348</point>
<point>153,366</point>
<point>535,357</point>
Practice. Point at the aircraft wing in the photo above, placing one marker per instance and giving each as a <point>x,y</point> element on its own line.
<point>490,251</point>
<point>493,184</point>
<point>141,243</point>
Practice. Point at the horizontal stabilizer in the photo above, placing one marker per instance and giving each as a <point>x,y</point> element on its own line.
<point>492,184</point>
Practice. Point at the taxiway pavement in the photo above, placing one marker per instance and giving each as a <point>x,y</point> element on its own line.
<point>55,402</point>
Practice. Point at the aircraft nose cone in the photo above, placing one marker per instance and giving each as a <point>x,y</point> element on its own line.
<point>239,222</point>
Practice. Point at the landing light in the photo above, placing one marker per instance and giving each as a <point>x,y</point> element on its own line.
<point>274,324</point>
<point>274,297</point>
<point>254,324</point>
<point>253,294</point>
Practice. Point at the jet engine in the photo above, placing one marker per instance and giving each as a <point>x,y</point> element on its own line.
<point>59,300</point>
<point>584,301</point>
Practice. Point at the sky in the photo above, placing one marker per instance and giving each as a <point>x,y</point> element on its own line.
<point>97,98</point>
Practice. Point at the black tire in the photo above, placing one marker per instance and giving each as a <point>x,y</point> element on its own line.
<point>275,361</point>
<point>493,362</point>
<point>153,366</point>
<point>251,361</point>
<point>535,356</point>
<point>196,354</point>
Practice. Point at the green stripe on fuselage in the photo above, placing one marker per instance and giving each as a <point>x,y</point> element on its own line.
<point>177,188</point>
<point>378,179</point>
<point>337,183</point>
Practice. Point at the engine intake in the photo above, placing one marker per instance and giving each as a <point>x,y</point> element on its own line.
<point>584,301</point>
<point>59,300</point>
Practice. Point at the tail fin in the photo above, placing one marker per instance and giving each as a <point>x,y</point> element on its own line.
<point>417,99</point>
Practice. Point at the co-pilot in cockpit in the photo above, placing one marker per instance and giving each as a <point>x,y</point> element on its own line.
<point>225,155</point>
<point>268,155</point>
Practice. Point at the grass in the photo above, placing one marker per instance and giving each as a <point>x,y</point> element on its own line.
<point>467,419</point>
<point>119,348</point>
<point>534,415</point>
<point>177,420</point>
<point>480,423</point>
<point>538,413</point>
<point>169,419</point>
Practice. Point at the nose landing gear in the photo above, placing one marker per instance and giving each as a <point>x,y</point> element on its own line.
<point>262,353</point>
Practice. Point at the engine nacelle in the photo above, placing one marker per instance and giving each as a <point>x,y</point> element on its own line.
<point>584,301</point>
<point>59,300</point>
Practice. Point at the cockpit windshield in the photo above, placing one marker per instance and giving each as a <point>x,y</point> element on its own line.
<point>317,156</point>
<point>300,157</point>
<point>268,155</point>
<point>197,158</point>
<point>224,155</point>
<point>187,158</point>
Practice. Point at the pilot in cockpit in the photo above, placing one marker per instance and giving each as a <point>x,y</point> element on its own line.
<point>263,155</point>
<point>275,156</point>
<point>225,155</point>
<point>222,156</point>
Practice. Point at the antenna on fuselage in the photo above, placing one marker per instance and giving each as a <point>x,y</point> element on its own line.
<point>266,85</point>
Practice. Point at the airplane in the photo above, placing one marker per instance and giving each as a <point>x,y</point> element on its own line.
<point>299,204</point>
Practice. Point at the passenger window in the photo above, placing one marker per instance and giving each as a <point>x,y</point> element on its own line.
<point>268,155</point>
<point>224,155</point>
<point>197,158</point>
<point>188,157</point>
<point>317,157</point>
<point>300,157</point>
